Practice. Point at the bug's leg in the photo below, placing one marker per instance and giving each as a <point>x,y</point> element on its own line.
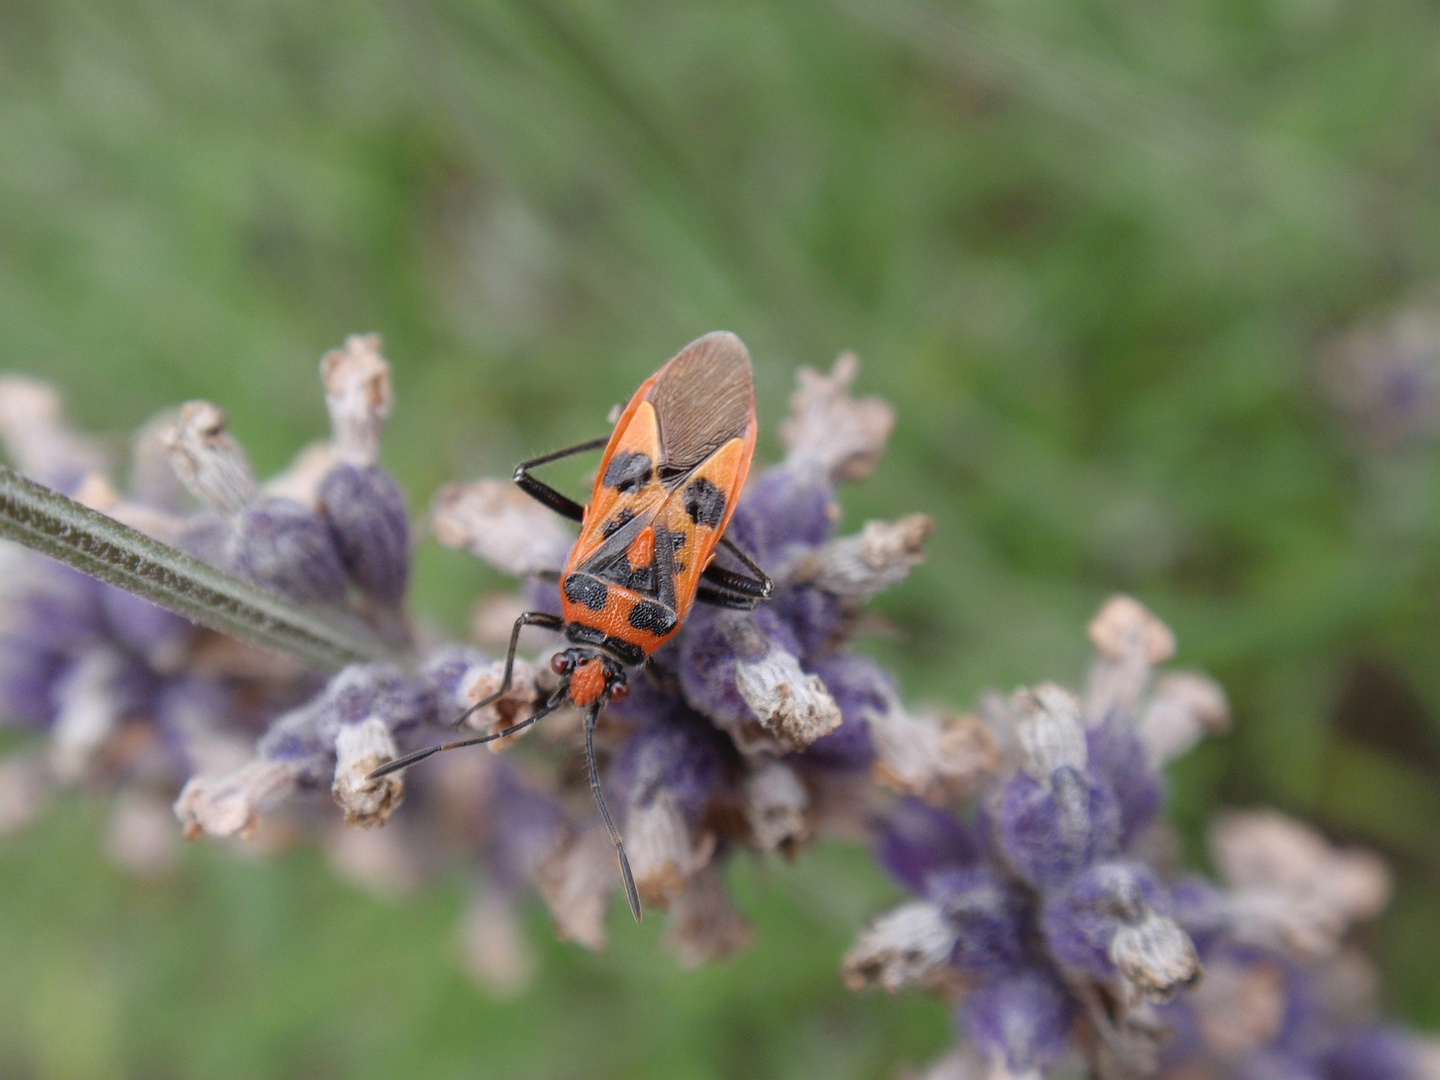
<point>760,586</point>
<point>631,894</point>
<point>528,618</point>
<point>542,492</point>
<point>420,755</point>
<point>719,597</point>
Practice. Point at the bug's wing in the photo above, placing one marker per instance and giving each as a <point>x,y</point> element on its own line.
<point>696,513</point>
<point>626,488</point>
<point>703,398</point>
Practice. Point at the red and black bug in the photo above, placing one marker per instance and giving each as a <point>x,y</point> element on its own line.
<point>668,483</point>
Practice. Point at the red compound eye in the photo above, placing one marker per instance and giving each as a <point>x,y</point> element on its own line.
<point>560,663</point>
<point>620,691</point>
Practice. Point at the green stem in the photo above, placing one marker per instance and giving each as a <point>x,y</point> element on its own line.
<point>43,520</point>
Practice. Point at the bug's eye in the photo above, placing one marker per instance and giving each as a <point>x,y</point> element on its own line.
<point>620,691</point>
<point>560,663</point>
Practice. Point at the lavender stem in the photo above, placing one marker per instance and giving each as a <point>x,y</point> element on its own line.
<point>43,520</point>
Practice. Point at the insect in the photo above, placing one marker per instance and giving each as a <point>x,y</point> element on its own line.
<point>667,485</point>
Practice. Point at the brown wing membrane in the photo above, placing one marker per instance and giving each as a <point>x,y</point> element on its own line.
<point>703,398</point>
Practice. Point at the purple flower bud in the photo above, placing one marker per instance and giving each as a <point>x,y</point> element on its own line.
<point>206,536</point>
<point>813,619</point>
<point>1113,922</point>
<point>1376,1053</point>
<point>96,691</point>
<point>1022,1021</point>
<point>305,737</point>
<point>161,637</point>
<point>1272,1065</point>
<point>1200,908</point>
<point>783,508</point>
<point>1118,759</point>
<point>448,669</point>
<point>916,841</point>
<point>679,753</point>
<point>50,605</point>
<point>27,681</point>
<point>527,827</point>
<point>371,530</point>
<point>859,687</point>
<point>280,545</point>
<point>1051,831</point>
<point>750,684</point>
<point>990,916</point>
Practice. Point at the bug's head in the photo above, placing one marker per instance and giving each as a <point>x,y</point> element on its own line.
<point>590,676</point>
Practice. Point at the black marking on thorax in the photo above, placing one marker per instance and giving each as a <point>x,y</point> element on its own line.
<point>626,652</point>
<point>586,590</point>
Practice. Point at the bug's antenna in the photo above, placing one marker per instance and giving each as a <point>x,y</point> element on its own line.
<point>420,755</point>
<point>630,892</point>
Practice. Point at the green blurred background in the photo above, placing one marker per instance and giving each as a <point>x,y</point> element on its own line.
<point>1089,249</point>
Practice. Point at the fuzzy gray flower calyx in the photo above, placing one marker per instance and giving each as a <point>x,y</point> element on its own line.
<point>496,522</point>
<point>908,946</point>
<point>360,749</point>
<point>861,566</point>
<point>1130,643</point>
<point>840,435</point>
<point>665,852</point>
<point>208,459</point>
<point>357,394</point>
<point>776,806</point>
<point>37,438</point>
<point>703,925</point>
<point>231,805</point>
<point>1290,887</point>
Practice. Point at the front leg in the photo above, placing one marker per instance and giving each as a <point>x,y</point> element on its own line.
<point>542,492</point>
<point>528,618</point>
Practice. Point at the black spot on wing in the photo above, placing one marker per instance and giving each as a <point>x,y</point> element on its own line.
<point>655,618</point>
<point>618,522</point>
<point>705,503</point>
<point>628,471</point>
<point>586,590</point>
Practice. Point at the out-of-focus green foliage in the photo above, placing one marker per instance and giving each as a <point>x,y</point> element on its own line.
<point>1089,250</point>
